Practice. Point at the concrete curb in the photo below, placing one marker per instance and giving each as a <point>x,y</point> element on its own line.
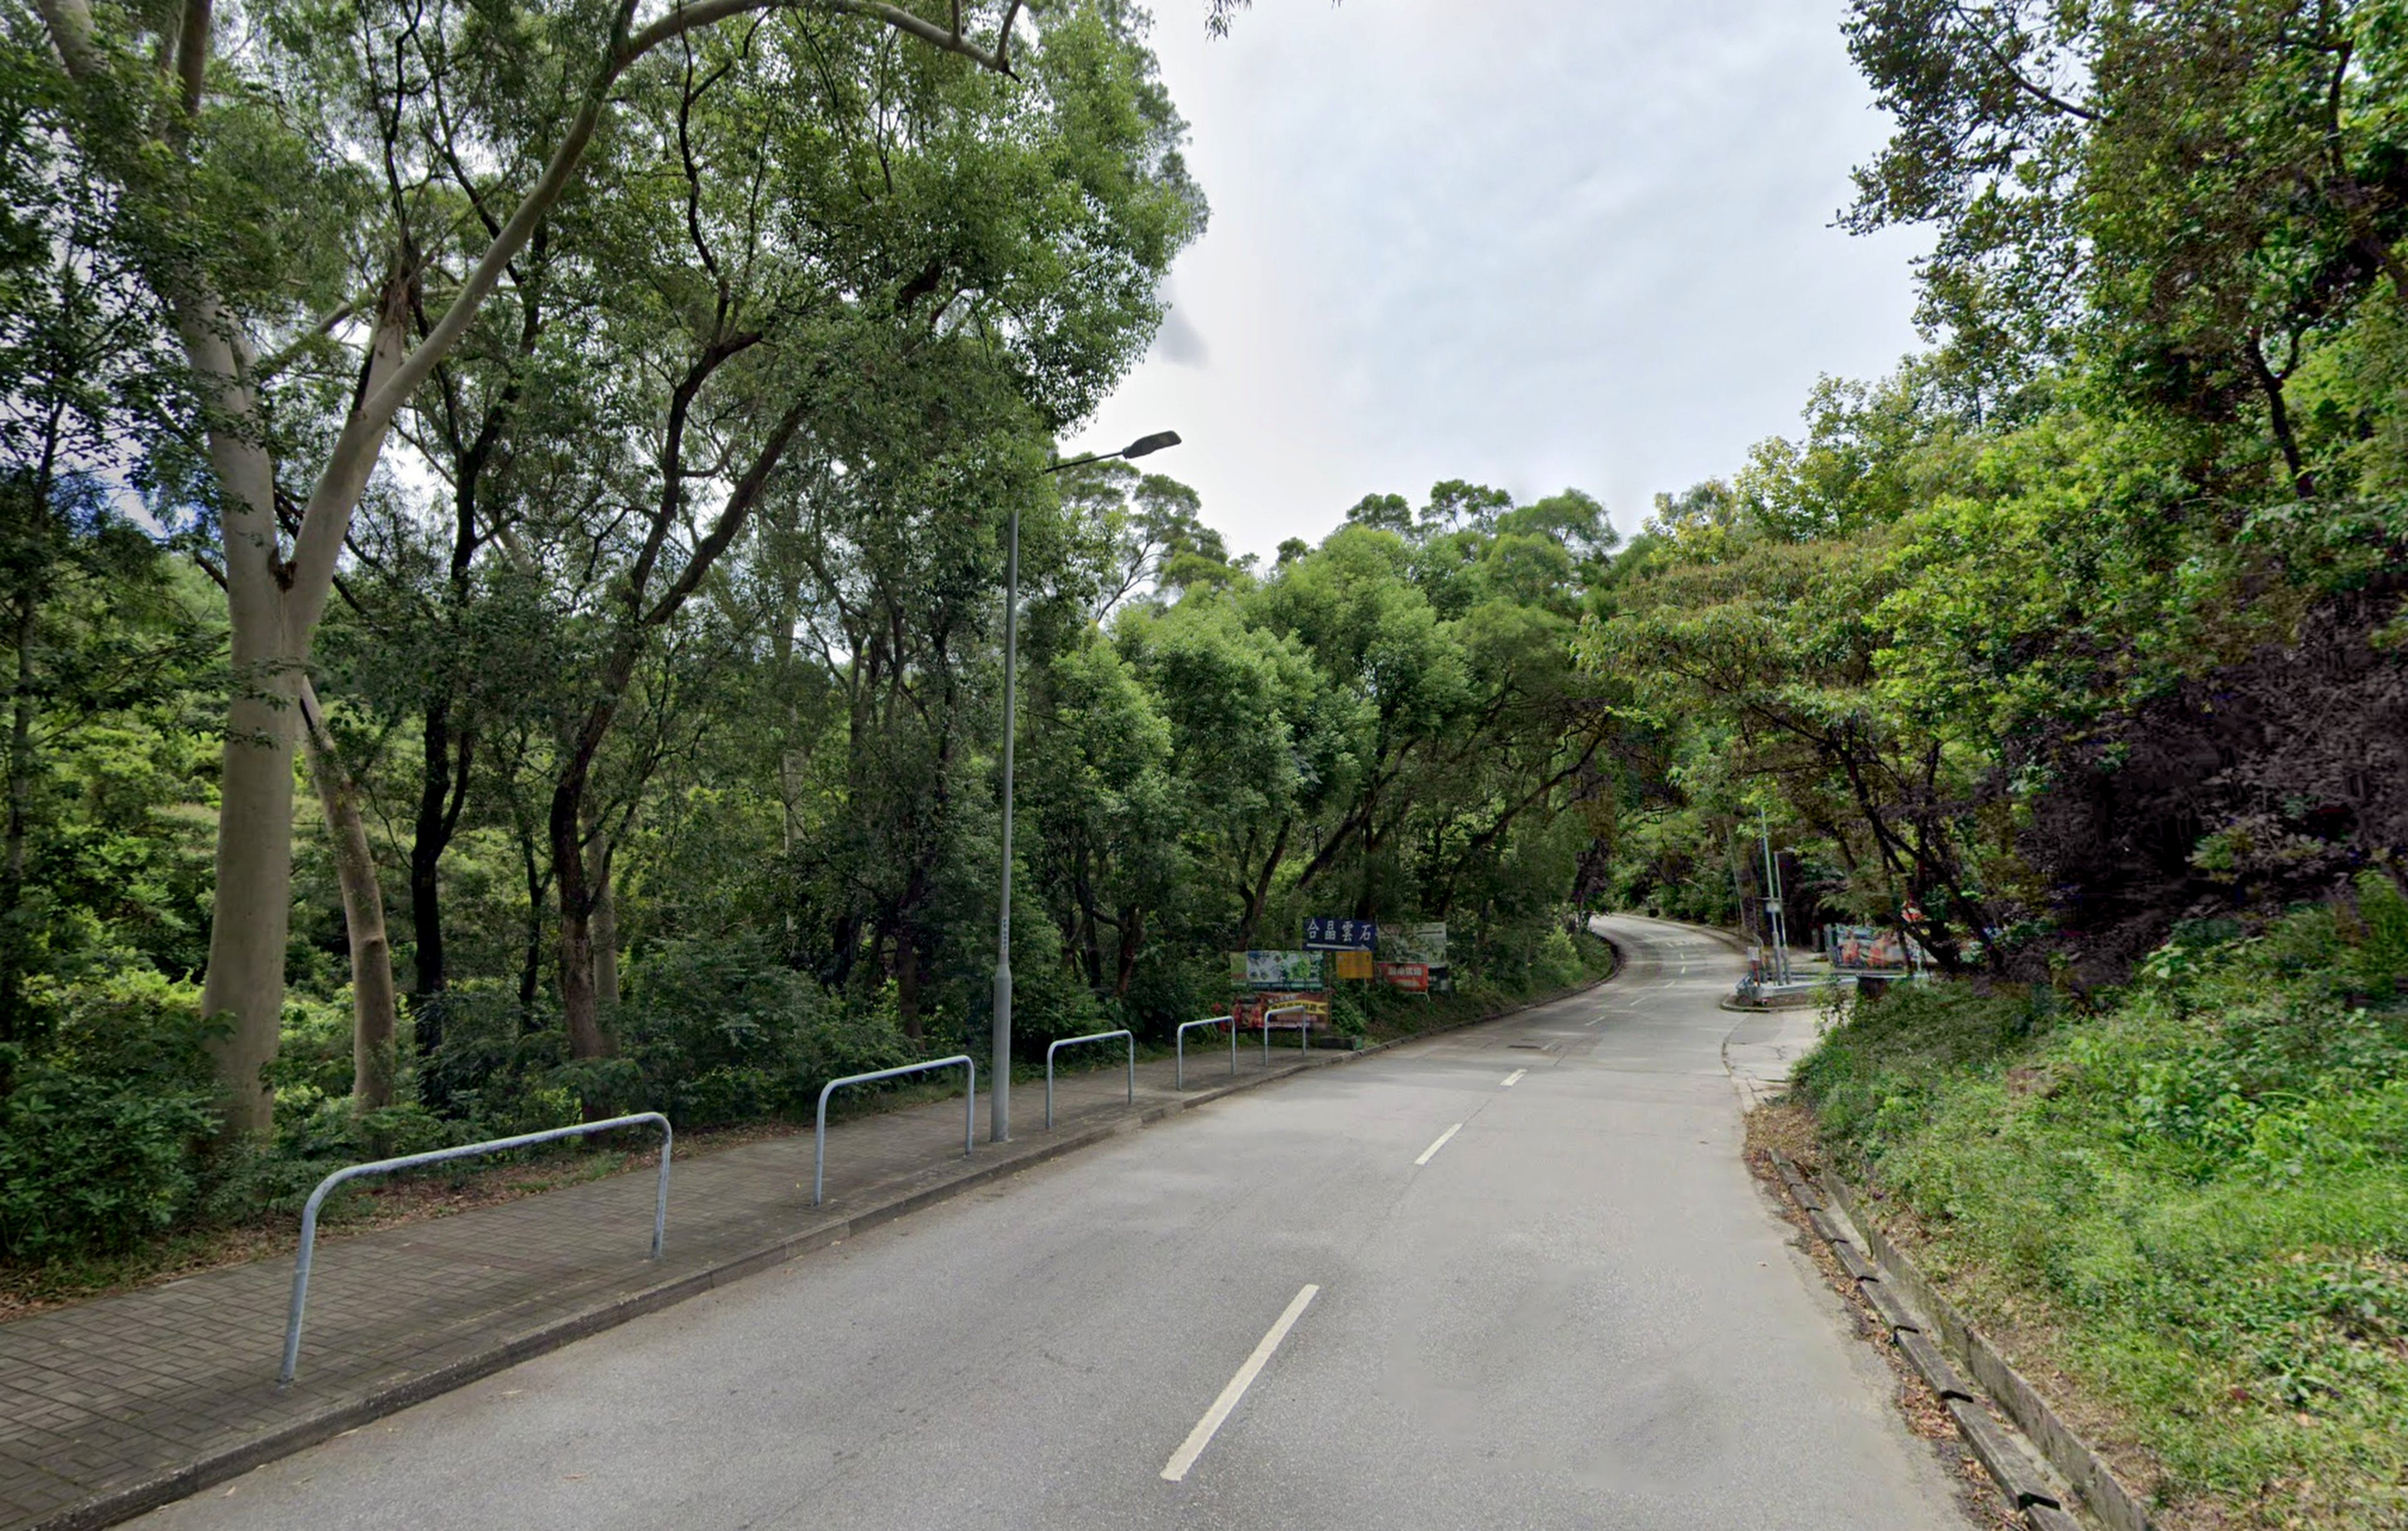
<point>123,1504</point>
<point>2012,1454</point>
<point>2103,1493</point>
<point>1799,1002</point>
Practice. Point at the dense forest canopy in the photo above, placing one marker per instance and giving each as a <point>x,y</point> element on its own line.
<point>504,513</point>
<point>2088,621</point>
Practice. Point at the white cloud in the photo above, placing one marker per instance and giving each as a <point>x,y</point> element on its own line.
<point>1531,242</point>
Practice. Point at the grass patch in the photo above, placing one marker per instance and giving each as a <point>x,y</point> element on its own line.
<point>2190,1199</point>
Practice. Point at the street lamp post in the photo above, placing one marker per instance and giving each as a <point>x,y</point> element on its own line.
<point>999,1095</point>
<point>1777,918</point>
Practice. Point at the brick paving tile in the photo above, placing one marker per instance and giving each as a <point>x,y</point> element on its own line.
<point>112,1394</point>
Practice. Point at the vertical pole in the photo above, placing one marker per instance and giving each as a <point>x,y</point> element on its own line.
<point>1131,1039</point>
<point>1738,886</point>
<point>999,1088</point>
<point>661,1202</point>
<point>819,1148</point>
<point>1776,934</point>
<point>1233,1047</point>
<point>300,1290</point>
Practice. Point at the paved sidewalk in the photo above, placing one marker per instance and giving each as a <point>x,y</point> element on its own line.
<point>119,1404</point>
<point>1762,1048</point>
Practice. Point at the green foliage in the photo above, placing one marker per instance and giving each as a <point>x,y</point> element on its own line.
<point>688,646</point>
<point>722,1032</point>
<point>2200,1182</point>
<point>100,1133</point>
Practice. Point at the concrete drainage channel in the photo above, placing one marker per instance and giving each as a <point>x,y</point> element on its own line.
<point>283,1440</point>
<point>2042,1467</point>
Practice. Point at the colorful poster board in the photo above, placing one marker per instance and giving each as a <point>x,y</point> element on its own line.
<point>1413,977</point>
<point>1248,1010</point>
<point>1354,964</point>
<point>1871,949</point>
<point>1299,970</point>
<point>1329,932</point>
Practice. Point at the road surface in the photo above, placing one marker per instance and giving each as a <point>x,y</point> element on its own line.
<point>1518,1275</point>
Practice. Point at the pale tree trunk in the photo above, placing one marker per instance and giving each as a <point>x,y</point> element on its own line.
<point>373,998</point>
<point>251,911</point>
<point>273,607</point>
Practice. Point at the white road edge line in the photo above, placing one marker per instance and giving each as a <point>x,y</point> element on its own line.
<point>1515,1078</point>
<point>1193,1447</point>
<point>1431,1153</point>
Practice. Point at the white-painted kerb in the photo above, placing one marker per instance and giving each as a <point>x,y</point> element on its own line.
<point>1193,1447</point>
<point>1431,1153</point>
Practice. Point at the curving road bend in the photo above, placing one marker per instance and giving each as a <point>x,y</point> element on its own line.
<point>1516,1276</point>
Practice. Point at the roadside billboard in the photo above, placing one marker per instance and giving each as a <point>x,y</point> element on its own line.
<point>1299,970</point>
<point>1422,943</point>
<point>1871,949</point>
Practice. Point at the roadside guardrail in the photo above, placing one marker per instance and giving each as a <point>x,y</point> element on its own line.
<point>819,1139</point>
<point>1303,1029</point>
<point>1072,1042</point>
<point>1178,1047</point>
<point>412,1160</point>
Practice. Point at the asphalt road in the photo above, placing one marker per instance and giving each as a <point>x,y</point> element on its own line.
<point>1578,1311</point>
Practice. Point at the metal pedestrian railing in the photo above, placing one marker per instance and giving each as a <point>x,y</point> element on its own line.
<point>1304,1028</point>
<point>385,1167</point>
<point>1072,1042</point>
<point>819,1141</point>
<point>1178,1046</point>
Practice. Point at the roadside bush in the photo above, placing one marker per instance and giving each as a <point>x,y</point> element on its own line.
<point>100,1131</point>
<point>720,1031</point>
<point>1880,1071</point>
<point>313,1053</point>
<point>496,1065</point>
<point>2191,1200</point>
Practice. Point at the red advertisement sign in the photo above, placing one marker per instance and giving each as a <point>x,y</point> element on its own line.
<point>1411,976</point>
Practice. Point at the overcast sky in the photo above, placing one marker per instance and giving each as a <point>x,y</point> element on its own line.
<point>1533,243</point>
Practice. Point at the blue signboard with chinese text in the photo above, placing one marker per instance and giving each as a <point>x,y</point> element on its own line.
<point>1327,932</point>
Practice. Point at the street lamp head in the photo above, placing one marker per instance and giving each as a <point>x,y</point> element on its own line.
<point>1154,443</point>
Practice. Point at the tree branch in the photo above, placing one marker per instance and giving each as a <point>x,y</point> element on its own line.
<point>2015,76</point>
